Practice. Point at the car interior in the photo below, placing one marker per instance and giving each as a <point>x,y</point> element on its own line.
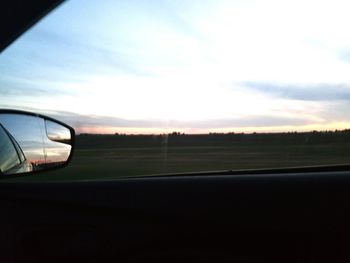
<point>266,215</point>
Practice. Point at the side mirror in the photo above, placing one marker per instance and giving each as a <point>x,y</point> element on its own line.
<point>30,142</point>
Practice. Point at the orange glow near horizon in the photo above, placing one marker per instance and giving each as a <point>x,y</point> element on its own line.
<point>273,129</point>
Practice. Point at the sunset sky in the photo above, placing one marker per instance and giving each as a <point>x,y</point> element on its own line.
<point>190,66</point>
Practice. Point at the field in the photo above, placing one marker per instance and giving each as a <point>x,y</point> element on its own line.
<point>115,156</point>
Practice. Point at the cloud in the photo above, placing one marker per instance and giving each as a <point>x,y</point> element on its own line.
<point>82,121</point>
<point>317,92</point>
<point>335,111</point>
<point>344,55</point>
<point>14,87</point>
<point>63,56</point>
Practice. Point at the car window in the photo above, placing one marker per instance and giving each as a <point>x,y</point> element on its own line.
<point>18,150</point>
<point>159,87</point>
<point>8,154</point>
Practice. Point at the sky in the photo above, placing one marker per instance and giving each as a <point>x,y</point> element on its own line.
<point>189,66</point>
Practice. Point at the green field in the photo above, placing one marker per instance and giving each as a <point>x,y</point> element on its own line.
<point>112,156</point>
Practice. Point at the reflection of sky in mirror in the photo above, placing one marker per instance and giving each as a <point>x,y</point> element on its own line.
<point>57,152</point>
<point>57,132</point>
<point>191,66</point>
<point>29,132</point>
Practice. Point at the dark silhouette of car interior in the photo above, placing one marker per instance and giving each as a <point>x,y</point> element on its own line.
<point>282,215</point>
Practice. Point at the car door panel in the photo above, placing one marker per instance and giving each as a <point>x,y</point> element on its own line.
<point>250,217</point>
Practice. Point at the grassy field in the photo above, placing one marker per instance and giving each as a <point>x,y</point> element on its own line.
<point>110,156</point>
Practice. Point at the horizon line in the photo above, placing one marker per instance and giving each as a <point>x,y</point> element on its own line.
<point>214,133</point>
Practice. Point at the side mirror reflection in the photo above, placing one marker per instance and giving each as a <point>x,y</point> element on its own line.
<point>30,143</point>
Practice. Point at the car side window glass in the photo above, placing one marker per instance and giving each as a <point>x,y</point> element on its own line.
<point>8,154</point>
<point>19,150</point>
